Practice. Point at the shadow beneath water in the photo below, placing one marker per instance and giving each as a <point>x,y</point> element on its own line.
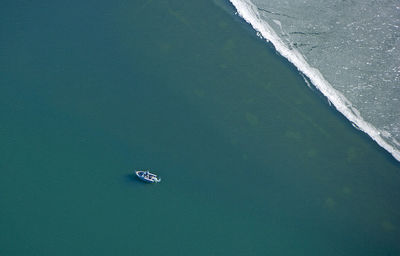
<point>133,179</point>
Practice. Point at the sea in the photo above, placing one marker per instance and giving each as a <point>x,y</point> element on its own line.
<point>272,125</point>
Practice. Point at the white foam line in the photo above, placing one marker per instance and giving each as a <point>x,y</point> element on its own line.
<point>249,12</point>
<point>307,83</point>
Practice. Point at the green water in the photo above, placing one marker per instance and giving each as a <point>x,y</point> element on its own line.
<point>253,161</point>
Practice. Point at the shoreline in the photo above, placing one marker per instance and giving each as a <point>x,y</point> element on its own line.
<point>248,12</point>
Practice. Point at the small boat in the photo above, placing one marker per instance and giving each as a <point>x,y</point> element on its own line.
<point>147,176</point>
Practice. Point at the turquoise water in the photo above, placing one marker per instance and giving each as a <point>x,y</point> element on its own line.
<point>253,162</point>
<point>348,50</point>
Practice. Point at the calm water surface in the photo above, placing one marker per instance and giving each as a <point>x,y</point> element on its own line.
<point>253,162</point>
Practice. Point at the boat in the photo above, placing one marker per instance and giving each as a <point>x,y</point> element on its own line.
<point>147,176</point>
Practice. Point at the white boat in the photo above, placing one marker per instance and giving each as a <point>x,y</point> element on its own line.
<point>147,176</point>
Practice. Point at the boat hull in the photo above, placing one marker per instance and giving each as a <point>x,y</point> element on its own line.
<point>147,177</point>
